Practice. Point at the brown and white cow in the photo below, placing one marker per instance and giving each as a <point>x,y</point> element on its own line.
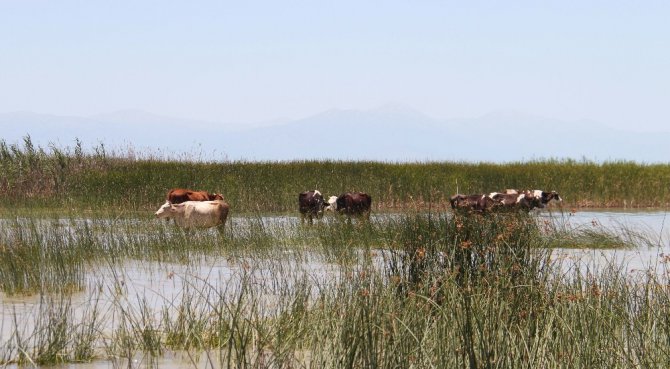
<point>545,197</point>
<point>196,214</point>
<point>524,200</point>
<point>513,201</point>
<point>311,205</point>
<point>351,204</point>
<point>179,195</point>
<point>472,203</point>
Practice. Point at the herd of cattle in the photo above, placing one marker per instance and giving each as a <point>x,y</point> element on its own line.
<point>503,201</point>
<point>192,209</point>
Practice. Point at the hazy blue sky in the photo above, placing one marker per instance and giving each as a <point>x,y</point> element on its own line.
<point>248,61</point>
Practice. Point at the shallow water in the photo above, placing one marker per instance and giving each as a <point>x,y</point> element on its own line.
<point>653,226</point>
<point>133,285</point>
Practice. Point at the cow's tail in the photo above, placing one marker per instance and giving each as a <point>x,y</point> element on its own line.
<point>453,200</point>
<point>223,215</point>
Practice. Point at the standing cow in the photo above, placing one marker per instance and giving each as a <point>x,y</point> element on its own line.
<point>311,205</point>
<point>543,197</point>
<point>196,214</point>
<point>179,195</point>
<point>351,204</point>
<point>524,200</point>
<point>513,201</point>
<point>478,203</point>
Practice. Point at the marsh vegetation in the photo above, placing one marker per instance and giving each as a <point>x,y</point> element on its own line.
<point>87,274</point>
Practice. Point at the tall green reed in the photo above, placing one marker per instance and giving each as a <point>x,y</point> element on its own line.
<point>63,177</point>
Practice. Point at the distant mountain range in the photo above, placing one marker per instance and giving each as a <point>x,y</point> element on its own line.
<point>389,133</point>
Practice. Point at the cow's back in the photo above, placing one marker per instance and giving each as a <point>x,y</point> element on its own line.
<point>204,213</point>
<point>354,203</point>
<point>177,195</point>
<point>180,195</point>
<point>475,202</point>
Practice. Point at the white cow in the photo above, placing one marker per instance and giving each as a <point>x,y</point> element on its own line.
<point>196,214</point>
<point>332,204</point>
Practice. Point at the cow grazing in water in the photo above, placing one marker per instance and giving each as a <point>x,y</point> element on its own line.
<point>543,197</point>
<point>311,205</point>
<point>513,201</point>
<point>179,195</point>
<point>196,214</point>
<point>351,204</point>
<point>524,200</point>
<point>505,199</point>
<point>472,203</point>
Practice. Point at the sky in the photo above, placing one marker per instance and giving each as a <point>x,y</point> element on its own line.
<point>256,61</point>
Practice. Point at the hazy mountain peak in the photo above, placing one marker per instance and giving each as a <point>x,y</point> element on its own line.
<point>131,115</point>
<point>392,131</point>
<point>399,109</point>
<point>510,114</point>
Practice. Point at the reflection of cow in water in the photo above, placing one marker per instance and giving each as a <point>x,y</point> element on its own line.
<point>179,195</point>
<point>310,204</point>
<point>351,204</point>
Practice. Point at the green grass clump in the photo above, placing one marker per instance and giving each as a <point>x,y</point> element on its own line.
<point>34,259</point>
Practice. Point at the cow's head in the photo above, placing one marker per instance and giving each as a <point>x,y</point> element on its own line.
<point>164,210</point>
<point>542,198</point>
<point>215,196</point>
<point>548,196</point>
<point>332,204</point>
<point>320,202</point>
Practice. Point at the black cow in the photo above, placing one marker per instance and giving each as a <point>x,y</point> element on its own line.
<point>351,204</point>
<point>311,204</point>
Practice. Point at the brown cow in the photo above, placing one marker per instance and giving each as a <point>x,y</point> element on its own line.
<point>351,204</point>
<point>179,195</point>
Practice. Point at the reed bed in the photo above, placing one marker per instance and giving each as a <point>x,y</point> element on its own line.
<point>95,179</point>
<point>415,287</point>
<point>414,290</point>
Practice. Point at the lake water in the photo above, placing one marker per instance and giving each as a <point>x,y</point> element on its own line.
<point>653,227</point>
<point>156,285</point>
